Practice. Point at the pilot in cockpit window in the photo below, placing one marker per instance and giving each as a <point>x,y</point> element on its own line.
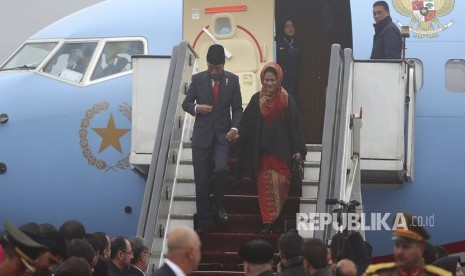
<point>78,60</point>
<point>116,58</point>
<point>71,61</point>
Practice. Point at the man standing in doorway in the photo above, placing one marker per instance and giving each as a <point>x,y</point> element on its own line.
<point>387,42</point>
<point>214,98</point>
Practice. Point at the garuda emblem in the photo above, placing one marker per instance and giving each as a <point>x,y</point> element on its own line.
<point>424,14</point>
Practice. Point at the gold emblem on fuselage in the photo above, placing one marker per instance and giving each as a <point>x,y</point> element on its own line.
<point>110,137</point>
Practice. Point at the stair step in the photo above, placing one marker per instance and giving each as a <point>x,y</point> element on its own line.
<point>229,261</point>
<point>231,242</point>
<point>217,273</point>
<point>186,187</point>
<point>220,247</point>
<point>246,223</point>
<point>313,152</point>
<point>234,204</point>
<point>311,169</point>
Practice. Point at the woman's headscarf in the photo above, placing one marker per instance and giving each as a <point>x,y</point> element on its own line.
<point>275,105</point>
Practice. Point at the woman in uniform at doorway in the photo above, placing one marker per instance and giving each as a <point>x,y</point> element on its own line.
<point>289,54</point>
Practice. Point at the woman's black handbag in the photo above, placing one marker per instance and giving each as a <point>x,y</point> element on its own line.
<point>297,171</point>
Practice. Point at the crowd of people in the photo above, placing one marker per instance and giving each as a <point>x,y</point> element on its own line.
<point>43,250</point>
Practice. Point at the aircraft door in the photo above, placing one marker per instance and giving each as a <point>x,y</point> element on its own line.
<point>245,30</point>
<point>318,25</point>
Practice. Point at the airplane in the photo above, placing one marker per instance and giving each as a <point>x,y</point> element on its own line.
<point>56,174</point>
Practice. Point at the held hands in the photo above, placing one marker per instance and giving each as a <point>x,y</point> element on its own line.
<point>232,135</point>
<point>204,109</point>
<point>296,156</point>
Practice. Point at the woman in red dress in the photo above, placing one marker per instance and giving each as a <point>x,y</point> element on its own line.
<point>271,136</point>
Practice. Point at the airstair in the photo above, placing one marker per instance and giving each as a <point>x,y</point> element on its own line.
<point>169,198</point>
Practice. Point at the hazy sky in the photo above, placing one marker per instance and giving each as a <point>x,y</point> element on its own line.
<point>22,18</point>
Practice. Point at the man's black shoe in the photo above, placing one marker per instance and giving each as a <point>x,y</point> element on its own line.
<point>223,215</point>
<point>201,231</point>
<point>268,229</point>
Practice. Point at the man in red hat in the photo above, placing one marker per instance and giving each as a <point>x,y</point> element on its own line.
<point>409,243</point>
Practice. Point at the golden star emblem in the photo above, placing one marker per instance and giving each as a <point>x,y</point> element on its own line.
<point>111,135</point>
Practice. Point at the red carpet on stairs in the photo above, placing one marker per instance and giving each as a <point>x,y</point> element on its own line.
<point>220,247</point>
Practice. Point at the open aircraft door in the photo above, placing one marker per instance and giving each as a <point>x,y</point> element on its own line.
<point>244,28</point>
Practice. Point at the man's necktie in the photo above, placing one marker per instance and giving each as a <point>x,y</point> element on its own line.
<point>215,91</point>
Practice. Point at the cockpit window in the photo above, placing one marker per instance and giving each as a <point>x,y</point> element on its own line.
<point>71,61</point>
<point>29,56</point>
<point>116,58</point>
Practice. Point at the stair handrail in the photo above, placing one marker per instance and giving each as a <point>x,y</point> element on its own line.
<point>410,103</point>
<point>168,142</point>
<point>329,142</point>
<point>341,139</point>
<point>350,188</point>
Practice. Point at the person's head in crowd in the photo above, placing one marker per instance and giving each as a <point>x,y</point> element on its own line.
<point>257,256</point>
<point>451,264</point>
<point>441,251</point>
<point>346,267</point>
<point>56,252</point>
<point>32,230</point>
<point>341,248</point>
<point>184,248</point>
<point>429,254</point>
<point>74,266</point>
<point>19,252</point>
<point>82,248</point>
<point>380,11</point>
<point>95,242</point>
<point>314,253</point>
<point>47,227</point>
<point>104,241</point>
<point>72,229</point>
<point>141,253</point>
<point>409,243</point>
<point>121,252</point>
<point>53,241</point>
<point>289,246</point>
<point>215,61</point>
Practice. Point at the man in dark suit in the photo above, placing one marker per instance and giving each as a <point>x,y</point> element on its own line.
<point>141,257</point>
<point>121,256</point>
<point>258,258</point>
<point>387,42</point>
<point>183,253</point>
<point>289,246</point>
<point>214,98</point>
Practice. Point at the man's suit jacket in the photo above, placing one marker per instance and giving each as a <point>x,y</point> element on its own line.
<point>220,121</point>
<point>132,271</point>
<point>165,270</point>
